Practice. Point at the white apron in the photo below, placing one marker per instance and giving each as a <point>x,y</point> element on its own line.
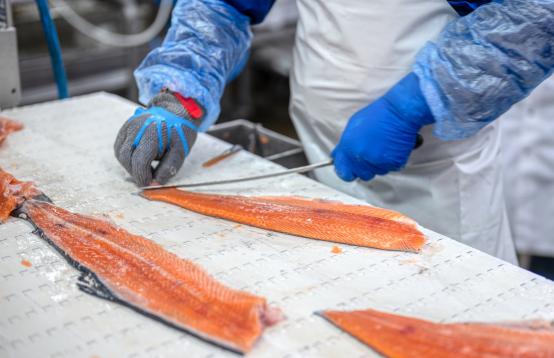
<point>350,52</point>
<point>528,155</point>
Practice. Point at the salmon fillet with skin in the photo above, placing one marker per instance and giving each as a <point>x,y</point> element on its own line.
<point>321,220</point>
<point>7,127</point>
<point>139,273</point>
<point>406,337</point>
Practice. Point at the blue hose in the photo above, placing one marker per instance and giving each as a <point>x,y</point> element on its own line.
<point>53,48</point>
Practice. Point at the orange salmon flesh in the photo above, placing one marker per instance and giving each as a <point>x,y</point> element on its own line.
<point>398,336</point>
<point>142,274</point>
<point>358,225</point>
<point>139,273</point>
<point>12,193</point>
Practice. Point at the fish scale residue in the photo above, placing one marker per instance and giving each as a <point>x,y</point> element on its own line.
<point>358,225</point>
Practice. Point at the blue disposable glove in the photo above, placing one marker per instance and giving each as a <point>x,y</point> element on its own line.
<point>164,132</point>
<point>380,137</point>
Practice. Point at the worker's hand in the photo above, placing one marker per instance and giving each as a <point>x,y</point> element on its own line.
<point>165,131</point>
<point>380,137</point>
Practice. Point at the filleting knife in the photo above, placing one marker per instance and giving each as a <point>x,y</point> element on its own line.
<point>298,170</point>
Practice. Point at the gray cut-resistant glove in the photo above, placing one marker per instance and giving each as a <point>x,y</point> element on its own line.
<point>144,137</point>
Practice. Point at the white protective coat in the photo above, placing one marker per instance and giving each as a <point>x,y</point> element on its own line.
<point>528,154</point>
<point>350,52</point>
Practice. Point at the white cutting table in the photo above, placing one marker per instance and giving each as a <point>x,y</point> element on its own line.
<point>66,148</point>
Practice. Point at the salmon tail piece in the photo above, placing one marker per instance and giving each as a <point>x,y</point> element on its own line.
<point>400,336</point>
<point>136,272</point>
<point>359,225</point>
<point>14,192</point>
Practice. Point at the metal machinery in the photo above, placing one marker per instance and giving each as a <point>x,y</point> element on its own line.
<point>90,66</point>
<point>10,92</point>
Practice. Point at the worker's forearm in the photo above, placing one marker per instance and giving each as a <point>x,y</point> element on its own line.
<point>485,62</point>
<point>206,44</point>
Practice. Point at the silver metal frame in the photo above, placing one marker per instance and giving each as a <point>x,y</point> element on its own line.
<point>10,85</point>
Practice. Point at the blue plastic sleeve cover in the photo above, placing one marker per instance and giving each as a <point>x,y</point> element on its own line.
<point>483,63</point>
<point>205,46</point>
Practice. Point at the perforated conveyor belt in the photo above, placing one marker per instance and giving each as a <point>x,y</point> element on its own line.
<point>66,148</point>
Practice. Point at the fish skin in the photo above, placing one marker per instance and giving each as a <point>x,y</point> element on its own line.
<point>7,127</point>
<point>322,221</point>
<point>142,274</point>
<point>131,270</point>
<point>399,336</point>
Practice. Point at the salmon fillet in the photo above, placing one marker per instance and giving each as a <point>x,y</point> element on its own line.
<point>315,219</point>
<point>139,273</point>
<point>7,127</point>
<point>402,337</point>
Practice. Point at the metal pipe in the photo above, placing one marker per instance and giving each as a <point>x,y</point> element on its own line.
<point>54,49</point>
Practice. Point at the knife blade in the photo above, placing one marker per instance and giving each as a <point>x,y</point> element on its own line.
<point>299,170</point>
